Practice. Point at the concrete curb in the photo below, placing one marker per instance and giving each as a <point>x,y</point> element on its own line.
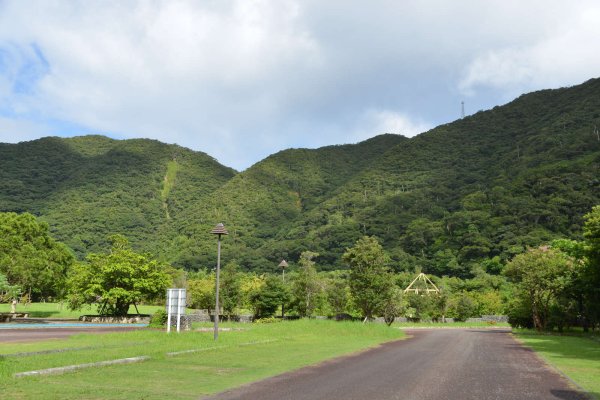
<point>71,368</point>
<point>130,360</point>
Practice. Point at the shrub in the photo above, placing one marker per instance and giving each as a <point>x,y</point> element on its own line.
<point>158,319</point>
<point>268,320</point>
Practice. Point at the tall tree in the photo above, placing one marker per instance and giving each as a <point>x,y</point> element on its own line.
<point>338,293</point>
<point>201,287</point>
<point>31,258</point>
<point>371,283</point>
<point>306,286</point>
<point>269,297</point>
<point>542,275</point>
<point>117,279</point>
<point>230,289</point>
<point>591,275</point>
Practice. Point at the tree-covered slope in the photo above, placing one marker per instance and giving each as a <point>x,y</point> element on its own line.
<point>264,201</point>
<point>89,187</point>
<point>467,194</point>
<point>485,186</point>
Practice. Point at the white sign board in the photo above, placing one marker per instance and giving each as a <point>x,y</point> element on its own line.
<point>175,306</point>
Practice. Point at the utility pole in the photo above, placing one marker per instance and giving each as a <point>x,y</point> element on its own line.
<point>218,230</point>
<point>462,112</point>
<point>283,264</point>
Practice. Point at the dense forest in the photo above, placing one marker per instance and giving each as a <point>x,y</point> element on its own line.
<point>461,198</point>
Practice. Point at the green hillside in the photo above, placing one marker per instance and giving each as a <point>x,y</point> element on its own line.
<point>89,187</point>
<point>469,194</point>
<point>485,186</point>
<point>263,202</point>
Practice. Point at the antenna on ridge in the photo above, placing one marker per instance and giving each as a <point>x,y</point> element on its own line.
<point>462,112</point>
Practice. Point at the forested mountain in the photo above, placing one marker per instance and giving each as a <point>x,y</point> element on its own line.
<point>464,195</point>
<point>262,205</point>
<point>470,193</point>
<point>89,187</point>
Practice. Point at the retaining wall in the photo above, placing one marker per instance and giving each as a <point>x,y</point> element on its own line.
<point>130,319</point>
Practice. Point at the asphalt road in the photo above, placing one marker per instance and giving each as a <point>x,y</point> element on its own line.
<point>434,364</point>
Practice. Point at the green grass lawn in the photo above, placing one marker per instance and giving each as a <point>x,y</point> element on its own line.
<point>250,353</point>
<point>578,357</point>
<point>60,310</point>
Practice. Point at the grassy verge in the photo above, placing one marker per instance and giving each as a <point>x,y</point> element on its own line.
<point>578,357</point>
<point>251,353</point>
<point>60,310</point>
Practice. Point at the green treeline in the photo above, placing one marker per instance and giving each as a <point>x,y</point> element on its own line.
<point>552,286</point>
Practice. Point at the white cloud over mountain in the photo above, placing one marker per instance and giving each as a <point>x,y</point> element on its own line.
<point>243,79</point>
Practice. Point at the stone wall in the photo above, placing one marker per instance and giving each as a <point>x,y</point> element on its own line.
<point>483,318</point>
<point>129,319</point>
<point>203,316</point>
<point>489,318</point>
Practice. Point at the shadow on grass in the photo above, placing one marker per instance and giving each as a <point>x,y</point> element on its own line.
<point>563,346</point>
<point>42,314</point>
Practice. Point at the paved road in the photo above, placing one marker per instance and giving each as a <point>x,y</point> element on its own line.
<point>36,334</point>
<point>434,364</point>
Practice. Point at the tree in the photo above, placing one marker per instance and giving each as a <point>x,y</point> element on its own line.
<point>251,283</point>
<point>306,286</point>
<point>338,294</point>
<point>591,272</point>
<point>425,306</point>
<point>462,307</point>
<point>202,291</point>
<point>230,290</point>
<point>542,275</point>
<point>371,283</point>
<point>8,293</point>
<point>269,297</point>
<point>393,306</point>
<point>117,279</point>
<point>31,258</point>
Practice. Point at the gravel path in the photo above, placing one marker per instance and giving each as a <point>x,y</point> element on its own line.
<point>433,364</point>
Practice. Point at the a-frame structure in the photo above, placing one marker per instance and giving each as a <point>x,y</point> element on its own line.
<point>429,286</point>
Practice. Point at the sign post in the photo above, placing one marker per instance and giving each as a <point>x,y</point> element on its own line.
<point>175,306</point>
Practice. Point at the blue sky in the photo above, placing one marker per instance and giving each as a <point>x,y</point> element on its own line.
<point>241,80</point>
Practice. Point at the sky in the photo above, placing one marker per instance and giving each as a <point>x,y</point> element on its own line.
<point>241,80</point>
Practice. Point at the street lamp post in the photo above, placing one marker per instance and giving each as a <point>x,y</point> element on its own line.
<point>283,264</point>
<point>218,230</point>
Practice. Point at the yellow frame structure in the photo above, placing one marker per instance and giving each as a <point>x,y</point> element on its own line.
<point>428,289</point>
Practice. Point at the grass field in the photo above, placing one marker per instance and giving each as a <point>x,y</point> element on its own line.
<point>60,310</point>
<point>251,352</point>
<point>578,357</point>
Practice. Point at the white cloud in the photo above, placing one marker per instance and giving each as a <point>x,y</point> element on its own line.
<point>17,130</point>
<point>565,55</point>
<point>376,122</point>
